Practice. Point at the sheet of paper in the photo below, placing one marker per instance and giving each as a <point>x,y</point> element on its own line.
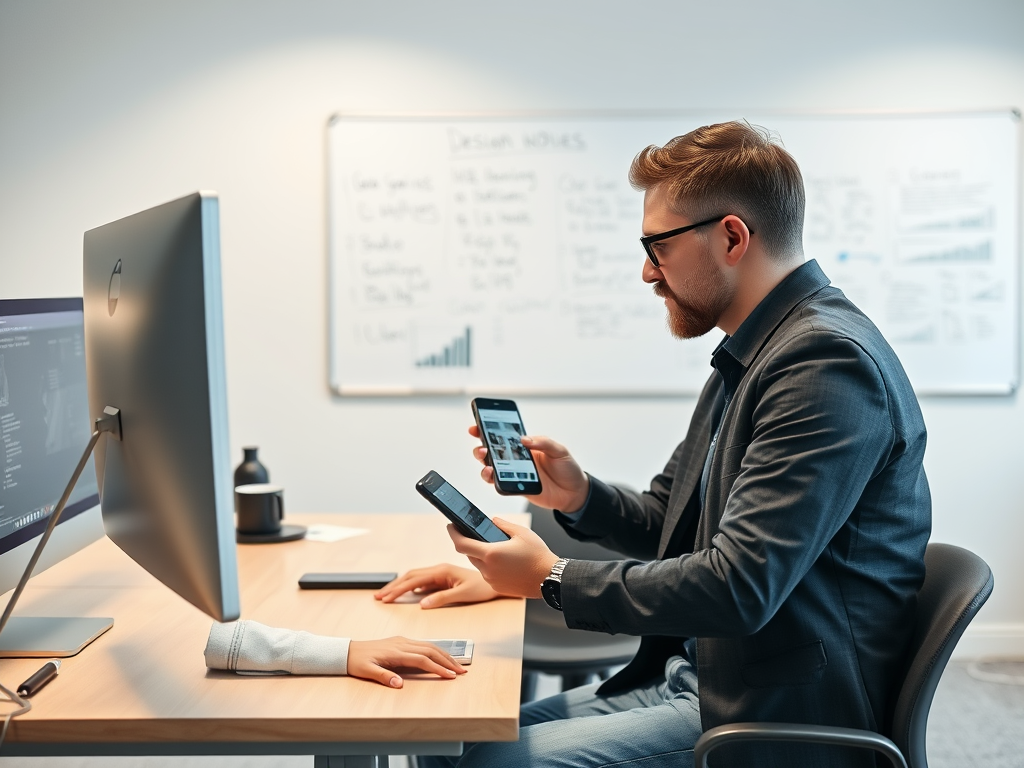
<point>330,533</point>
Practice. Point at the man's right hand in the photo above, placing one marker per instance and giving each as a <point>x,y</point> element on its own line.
<point>565,484</point>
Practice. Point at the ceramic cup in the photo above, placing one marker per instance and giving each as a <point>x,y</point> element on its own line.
<point>260,508</point>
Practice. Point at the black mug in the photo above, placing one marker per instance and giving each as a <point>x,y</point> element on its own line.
<point>260,508</point>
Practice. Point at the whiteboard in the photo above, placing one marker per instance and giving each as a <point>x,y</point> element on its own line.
<point>500,254</point>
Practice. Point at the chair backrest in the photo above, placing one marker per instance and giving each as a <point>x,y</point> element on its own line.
<point>956,584</point>
<point>561,543</point>
<point>545,627</point>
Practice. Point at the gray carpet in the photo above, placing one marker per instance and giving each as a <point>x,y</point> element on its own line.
<point>976,724</point>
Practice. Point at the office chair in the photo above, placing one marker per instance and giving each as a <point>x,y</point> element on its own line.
<point>956,584</point>
<point>549,646</point>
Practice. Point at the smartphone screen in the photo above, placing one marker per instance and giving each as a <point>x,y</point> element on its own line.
<point>501,429</point>
<point>466,516</point>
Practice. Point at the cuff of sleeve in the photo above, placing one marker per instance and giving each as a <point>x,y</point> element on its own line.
<point>578,580</point>
<point>600,495</point>
<point>320,655</point>
<point>572,517</point>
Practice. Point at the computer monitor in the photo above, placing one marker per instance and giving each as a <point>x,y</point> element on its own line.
<point>44,427</point>
<point>154,349</point>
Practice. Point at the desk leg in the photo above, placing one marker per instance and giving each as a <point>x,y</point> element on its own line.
<point>350,761</point>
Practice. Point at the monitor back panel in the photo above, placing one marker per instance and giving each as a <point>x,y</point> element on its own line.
<point>154,350</point>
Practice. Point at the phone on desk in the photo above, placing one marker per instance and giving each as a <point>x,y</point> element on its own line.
<point>501,428</point>
<point>460,650</point>
<point>345,580</point>
<point>465,515</point>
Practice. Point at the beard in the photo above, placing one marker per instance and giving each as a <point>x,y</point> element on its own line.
<point>709,297</point>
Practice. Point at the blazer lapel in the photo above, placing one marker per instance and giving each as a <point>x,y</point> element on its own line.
<point>691,460</point>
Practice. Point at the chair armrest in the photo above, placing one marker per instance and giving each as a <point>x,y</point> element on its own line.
<point>816,734</point>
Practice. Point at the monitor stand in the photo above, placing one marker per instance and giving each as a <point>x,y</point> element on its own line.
<point>49,637</point>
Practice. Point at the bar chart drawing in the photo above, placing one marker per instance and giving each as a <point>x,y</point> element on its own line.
<point>457,354</point>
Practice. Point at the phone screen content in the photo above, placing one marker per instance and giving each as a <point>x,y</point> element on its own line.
<point>467,511</point>
<point>503,431</point>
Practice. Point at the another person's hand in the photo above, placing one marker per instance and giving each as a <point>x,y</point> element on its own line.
<point>565,483</point>
<point>515,567</point>
<point>446,584</point>
<point>377,659</point>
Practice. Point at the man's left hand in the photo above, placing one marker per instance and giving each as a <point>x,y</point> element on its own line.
<point>515,567</point>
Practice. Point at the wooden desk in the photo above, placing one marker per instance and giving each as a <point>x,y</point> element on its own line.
<point>143,687</point>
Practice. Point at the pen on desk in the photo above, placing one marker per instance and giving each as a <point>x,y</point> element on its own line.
<point>45,674</point>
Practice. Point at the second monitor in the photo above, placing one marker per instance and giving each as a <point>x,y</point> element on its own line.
<point>44,427</point>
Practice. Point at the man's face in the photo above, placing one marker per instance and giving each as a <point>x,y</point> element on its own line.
<point>695,290</point>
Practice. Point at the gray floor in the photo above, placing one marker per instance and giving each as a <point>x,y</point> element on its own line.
<point>973,724</point>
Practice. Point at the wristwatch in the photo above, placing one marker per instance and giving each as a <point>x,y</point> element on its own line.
<point>551,587</point>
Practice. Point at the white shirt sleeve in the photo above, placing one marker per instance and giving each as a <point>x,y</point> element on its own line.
<point>251,648</point>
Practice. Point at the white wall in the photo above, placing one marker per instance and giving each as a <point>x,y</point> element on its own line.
<point>110,107</point>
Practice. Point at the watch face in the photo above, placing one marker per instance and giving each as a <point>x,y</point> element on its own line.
<point>551,591</point>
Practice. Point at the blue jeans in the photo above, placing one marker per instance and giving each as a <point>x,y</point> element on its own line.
<point>650,726</point>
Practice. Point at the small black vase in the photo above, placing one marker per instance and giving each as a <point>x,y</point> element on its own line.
<point>250,470</point>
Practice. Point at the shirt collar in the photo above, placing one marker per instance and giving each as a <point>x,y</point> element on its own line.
<point>735,353</point>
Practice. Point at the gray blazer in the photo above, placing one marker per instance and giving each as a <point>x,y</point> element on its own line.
<point>799,578</point>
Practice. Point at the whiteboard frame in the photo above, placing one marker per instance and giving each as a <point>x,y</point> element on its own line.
<point>334,378</point>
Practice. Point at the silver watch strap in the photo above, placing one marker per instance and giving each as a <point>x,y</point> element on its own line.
<point>556,570</point>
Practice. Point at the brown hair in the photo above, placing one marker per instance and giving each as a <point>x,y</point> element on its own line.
<point>730,168</point>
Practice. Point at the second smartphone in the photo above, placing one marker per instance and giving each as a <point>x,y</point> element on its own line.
<point>501,429</point>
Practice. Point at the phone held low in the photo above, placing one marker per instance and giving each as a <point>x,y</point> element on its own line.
<point>468,518</point>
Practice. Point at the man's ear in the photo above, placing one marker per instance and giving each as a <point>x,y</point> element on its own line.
<point>738,239</point>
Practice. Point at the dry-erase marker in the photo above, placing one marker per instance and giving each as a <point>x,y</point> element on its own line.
<point>45,674</point>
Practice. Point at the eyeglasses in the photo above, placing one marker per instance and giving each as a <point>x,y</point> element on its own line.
<point>646,242</point>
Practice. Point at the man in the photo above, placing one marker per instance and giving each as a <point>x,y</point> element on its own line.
<point>779,553</point>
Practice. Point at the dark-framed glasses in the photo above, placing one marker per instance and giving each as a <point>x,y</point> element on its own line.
<point>647,241</point>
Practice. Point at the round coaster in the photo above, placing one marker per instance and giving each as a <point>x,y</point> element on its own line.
<point>287,533</point>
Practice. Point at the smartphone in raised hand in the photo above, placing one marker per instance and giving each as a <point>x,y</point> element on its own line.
<point>501,430</point>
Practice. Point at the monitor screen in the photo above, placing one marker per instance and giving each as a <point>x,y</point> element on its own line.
<point>44,416</point>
